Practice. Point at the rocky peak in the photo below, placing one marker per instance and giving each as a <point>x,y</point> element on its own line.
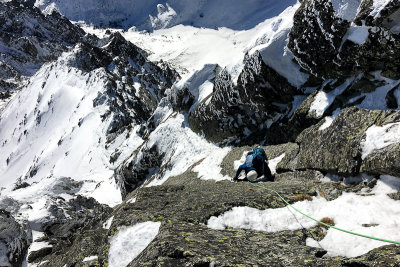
<point>30,38</point>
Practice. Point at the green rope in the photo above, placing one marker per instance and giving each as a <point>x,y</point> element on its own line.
<point>346,231</point>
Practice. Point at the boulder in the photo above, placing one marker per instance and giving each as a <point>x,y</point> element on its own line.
<point>383,161</point>
<point>337,149</point>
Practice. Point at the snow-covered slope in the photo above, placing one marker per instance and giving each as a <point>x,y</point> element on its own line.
<point>151,15</point>
<point>28,39</point>
<point>79,117</point>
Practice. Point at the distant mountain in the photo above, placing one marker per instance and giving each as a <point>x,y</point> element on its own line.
<point>152,15</point>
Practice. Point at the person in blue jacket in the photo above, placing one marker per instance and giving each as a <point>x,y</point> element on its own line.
<point>255,166</point>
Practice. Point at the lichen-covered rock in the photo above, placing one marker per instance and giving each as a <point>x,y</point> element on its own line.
<point>14,240</point>
<point>337,149</point>
<point>383,161</point>
<point>185,203</point>
<point>288,162</point>
<point>298,177</point>
<point>383,256</point>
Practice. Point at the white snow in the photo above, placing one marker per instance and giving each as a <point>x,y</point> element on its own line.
<point>132,200</point>
<point>200,83</point>
<point>40,137</point>
<point>191,49</point>
<point>210,168</point>
<point>159,14</point>
<point>90,258</point>
<point>378,137</point>
<point>323,100</point>
<point>346,9</point>
<point>278,56</point>
<point>183,148</point>
<point>350,211</point>
<point>272,163</point>
<point>329,120</point>
<point>377,98</point>
<point>357,34</point>
<point>129,242</point>
<point>35,246</point>
<point>108,223</point>
<point>377,7</point>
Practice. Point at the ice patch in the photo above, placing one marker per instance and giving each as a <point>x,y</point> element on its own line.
<point>129,242</point>
<point>378,137</point>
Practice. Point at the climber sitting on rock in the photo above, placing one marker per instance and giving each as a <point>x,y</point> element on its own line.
<point>255,166</point>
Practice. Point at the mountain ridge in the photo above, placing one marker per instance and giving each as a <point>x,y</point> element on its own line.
<point>107,143</point>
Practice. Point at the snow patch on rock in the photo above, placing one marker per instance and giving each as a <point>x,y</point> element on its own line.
<point>346,9</point>
<point>378,137</point>
<point>357,34</point>
<point>377,7</point>
<point>323,100</point>
<point>129,242</point>
<point>355,210</point>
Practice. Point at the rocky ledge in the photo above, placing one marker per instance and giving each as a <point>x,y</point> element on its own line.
<point>185,203</point>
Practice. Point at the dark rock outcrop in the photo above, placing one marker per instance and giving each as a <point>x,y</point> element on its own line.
<point>14,240</point>
<point>383,161</point>
<point>318,40</point>
<point>234,111</point>
<point>342,153</point>
<point>68,221</point>
<point>144,162</point>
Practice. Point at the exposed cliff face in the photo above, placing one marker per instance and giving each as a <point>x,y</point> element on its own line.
<point>326,44</point>
<point>14,240</point>
<point>234,111</point>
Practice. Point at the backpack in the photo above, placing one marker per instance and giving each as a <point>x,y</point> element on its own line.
<point>258,158</point>
<point>259,153</point>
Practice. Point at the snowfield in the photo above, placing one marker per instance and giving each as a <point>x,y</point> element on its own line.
<point>51,130</point>
<point>152,15</point>
<point>190,49</point>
